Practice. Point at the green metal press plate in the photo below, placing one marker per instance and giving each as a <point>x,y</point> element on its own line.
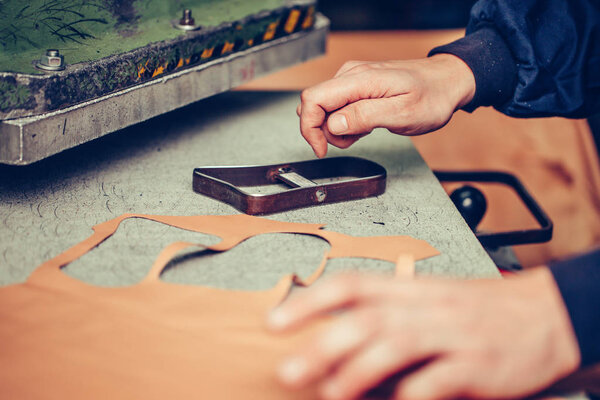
<point>89,30</point>
<point>110,45</point>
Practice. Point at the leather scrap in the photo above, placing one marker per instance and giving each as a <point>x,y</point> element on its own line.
<point>62,338</point>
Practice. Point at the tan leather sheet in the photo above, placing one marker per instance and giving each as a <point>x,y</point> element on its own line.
<point>62,338</point>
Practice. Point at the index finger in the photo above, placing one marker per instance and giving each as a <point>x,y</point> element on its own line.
<point>329,96</point>
<point>335,293</point>
<point>311,122</point>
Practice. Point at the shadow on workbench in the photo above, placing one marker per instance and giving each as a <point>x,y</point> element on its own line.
<point>148,136</point>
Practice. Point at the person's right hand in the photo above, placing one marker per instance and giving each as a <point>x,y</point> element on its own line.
<point>407,97</point>
<point>478,339</point>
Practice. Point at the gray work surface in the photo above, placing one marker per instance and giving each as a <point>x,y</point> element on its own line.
<point>51,205</point>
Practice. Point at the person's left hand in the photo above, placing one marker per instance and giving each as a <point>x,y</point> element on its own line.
<point>476,339</point>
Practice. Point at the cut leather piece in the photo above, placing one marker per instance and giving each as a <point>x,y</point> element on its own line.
<point>62,338</point>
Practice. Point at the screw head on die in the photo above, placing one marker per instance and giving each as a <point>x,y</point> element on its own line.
<point>51,61</point>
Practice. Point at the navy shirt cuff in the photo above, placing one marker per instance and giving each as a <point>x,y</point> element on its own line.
<point>579,282</point>
<point>492,63</point>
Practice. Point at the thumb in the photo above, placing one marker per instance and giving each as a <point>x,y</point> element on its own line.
<point>363,116</point>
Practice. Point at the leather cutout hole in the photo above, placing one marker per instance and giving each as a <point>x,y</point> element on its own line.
<point>255,264</point>
<point>125,258</point>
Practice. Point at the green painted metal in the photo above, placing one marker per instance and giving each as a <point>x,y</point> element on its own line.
<point>90,30</point>
<point>110,45</point>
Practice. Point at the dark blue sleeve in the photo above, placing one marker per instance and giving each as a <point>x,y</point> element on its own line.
<point>579,282</point>
<point>533,58</point>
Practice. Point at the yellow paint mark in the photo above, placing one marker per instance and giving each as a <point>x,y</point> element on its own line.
<point>159,70</point>
<point>142,69</point>
<point>309,20</point>
<point>227,47</point>
<point>207,53</point>
<point>180,63</point>
<point>187,61</point>
<point>250,42</point>
<point>270,33</point>
<point>292,21</point>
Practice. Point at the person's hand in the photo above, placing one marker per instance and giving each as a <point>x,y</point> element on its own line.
<point>487,339</point>
<point>407,97</point>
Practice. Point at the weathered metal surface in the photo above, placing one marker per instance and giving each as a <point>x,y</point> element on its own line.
<point>47,207</point>
<point>137,44</point>
<point>341,179</point>
<point>26,140</point>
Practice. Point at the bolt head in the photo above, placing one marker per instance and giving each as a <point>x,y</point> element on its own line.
<point>187,19</point>
<point>187,22</point>
<point>51,61</point>
<point>320,195</point>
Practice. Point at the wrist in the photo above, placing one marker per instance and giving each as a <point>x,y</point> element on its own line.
<point>540,283</point>
<point>458,78</point>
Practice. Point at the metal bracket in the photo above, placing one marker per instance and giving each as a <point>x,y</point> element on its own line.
<point>357,178</point>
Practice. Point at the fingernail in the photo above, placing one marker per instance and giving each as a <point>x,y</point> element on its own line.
<point>319,153</point>
<point>331,391</point>
<point>293,370</point>
<point>277,319</point>
<point>337,124</point>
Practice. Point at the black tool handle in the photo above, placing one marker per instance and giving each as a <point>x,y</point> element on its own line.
<point>493,240</point>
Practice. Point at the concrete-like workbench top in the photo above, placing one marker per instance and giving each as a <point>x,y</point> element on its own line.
<point>49,206</point>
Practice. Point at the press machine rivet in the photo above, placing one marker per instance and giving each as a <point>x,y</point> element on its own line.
<point>320,195</point>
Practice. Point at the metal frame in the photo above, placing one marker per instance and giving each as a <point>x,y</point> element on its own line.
<point>365,178</point>
<point>493,240</point>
